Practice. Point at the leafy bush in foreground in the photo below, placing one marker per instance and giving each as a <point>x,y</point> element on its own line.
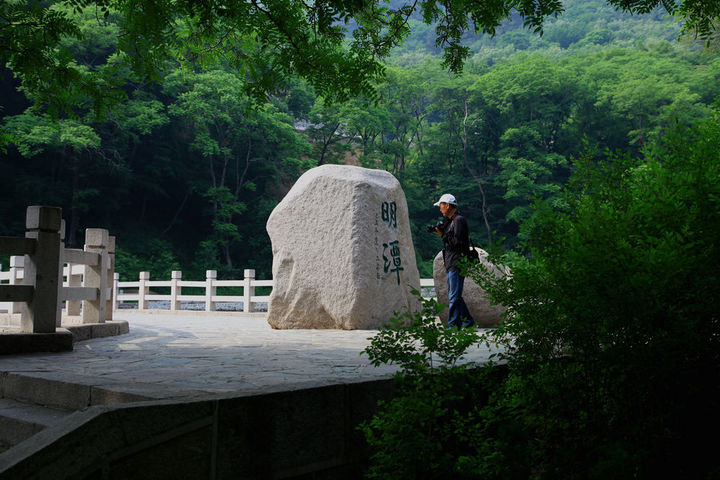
<point>612,337</point>
<point>419,432</point>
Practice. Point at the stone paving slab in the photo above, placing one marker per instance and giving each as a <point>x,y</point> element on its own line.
<point>179,356</point>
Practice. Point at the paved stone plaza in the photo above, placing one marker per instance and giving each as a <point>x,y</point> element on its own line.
<point>196,355</point>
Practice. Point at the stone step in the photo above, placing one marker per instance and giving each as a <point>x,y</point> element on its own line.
<point>19,420</point>
<point>30,403</point>
<point>66,394</point>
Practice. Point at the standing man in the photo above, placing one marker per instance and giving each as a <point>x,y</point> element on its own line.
<point>456,244</point>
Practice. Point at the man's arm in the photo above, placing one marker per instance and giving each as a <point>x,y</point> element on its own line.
<point>455,235</point>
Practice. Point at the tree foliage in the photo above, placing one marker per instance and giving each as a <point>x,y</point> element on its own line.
<point>610,338</point>
<point>498,137</point>
<point>416,433</point>
<point>612,330</point>
<point>336,45</point>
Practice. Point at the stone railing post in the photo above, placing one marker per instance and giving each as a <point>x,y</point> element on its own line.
<point>72,307</point>
<point>17,269</point>
<point>143,291</point>
<point>61,263</point>
<point>210,290</point>
<point>109,277</point>
<point>116,288</point>
<point>42,270</point>
<point>248,290</point>
<point>175,278</point>
<point>96,241</point>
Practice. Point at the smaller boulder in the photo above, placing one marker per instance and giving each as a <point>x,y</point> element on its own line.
<point>484,314</point>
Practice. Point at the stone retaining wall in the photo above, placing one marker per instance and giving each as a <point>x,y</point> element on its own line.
<point>288,434</point>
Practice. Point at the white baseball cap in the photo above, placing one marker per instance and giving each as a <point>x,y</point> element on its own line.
<point>446,198</point>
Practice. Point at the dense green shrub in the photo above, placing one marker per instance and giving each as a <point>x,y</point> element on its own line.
<point>614,326</point>
<point>419,433</point>
<point>612,337</point>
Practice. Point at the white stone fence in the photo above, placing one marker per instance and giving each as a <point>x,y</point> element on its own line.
<point>210,285</point>
<point>43,274</point>
<point>210,296</point>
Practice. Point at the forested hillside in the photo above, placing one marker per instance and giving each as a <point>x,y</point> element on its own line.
<point>185,171</point>
<point>585,25</point>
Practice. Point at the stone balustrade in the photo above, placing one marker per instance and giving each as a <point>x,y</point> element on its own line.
<point>43,274</point>
<point>35,286</point>
<point>142,293</point>
<point>176,284</point>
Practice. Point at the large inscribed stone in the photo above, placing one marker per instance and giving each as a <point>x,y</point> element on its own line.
<point>343,255</point>
<point>484,314</point>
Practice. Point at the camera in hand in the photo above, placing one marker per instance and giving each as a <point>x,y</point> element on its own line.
<point>439,225</point>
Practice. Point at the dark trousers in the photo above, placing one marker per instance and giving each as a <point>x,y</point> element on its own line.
<point>458,313</point>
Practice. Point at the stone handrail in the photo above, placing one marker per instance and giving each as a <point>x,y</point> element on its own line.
<point>176,284</point>
<point>210,285</point>
<point>35,280</point>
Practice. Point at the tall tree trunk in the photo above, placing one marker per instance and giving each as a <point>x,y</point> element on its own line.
<point>143,208</point>
<point>240,179</point>
<point>419,135</point>
<point>327,140</point>
<point>177,212</point>
<point>215,185</point>
<point>474,175</point>
<point>226,253</point>
<point>71,230</point>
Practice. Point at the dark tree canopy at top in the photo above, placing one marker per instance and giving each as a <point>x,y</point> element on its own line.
<point>265,41</point>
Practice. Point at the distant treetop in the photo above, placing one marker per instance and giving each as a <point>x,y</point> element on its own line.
<point>338,46</point>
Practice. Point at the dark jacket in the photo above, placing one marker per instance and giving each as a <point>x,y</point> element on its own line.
<point>456,241</point>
